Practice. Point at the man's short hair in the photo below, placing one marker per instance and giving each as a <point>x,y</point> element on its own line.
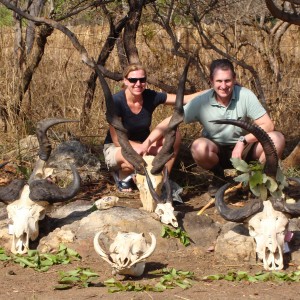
<point>223,64</point>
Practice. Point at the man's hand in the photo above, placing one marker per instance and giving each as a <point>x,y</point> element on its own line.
<point>238,150</point>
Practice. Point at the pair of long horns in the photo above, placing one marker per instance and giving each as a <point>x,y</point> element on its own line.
<point>128,152</point>
<point>270,168</point>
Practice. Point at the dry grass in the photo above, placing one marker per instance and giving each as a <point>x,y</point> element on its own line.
<point>59,85</point>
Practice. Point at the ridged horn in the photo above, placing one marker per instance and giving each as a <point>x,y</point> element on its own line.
<point>167,151</point>
<point>166,182</point>
<point>41,133</point>
<point>271,164</point>
<point>44,190</point>
<point>236,214</point>
<point>128,152</point>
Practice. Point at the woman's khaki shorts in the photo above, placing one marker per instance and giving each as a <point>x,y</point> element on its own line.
<point>109,151</point>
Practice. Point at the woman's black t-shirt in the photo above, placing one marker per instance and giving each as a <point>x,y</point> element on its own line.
<point>137,125</point>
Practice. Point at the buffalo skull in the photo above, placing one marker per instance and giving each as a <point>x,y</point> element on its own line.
<point>127,252</point>
<point>267,221</point>
<point>269,228</point>
<point>27,208</point>
<point>24,215</point>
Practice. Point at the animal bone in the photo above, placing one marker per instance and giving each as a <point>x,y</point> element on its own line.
<point>24,214</point>
<point>157,182</point>
<point>164,208</point>
<point>268,228</point>
<point>127,252</point>
<point>268,224</point>
<point>106,202</point>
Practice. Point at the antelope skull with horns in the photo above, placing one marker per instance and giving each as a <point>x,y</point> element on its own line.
<point>267,222</point>
<point>26,209</point>
<point>151,168</point>
<point>127,253</point>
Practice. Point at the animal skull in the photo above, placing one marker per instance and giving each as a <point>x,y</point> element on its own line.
<point>165,211</point>
<point>24,214</point>
<point>268,229</point>
<point>127,252</point>
<point>150,189</point>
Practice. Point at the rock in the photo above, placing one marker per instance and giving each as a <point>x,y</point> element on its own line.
<point>234,245</point>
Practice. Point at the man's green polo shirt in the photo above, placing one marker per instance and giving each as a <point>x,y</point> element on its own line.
<point>204,108</point>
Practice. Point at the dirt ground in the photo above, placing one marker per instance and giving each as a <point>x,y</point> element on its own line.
<point>25,283</point>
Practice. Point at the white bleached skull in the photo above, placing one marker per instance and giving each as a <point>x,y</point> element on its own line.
<point>162,207</point>
<point>24,215</point>
<point>165,211</point>
<point>157,181</point>
<point>268,228</point>
<point>127,252</point>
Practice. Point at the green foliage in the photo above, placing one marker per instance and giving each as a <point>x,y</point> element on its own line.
<point>167,232</point>
<point>3,255</point>
<point>42,262</point>
<point>79,277</point>
<point>261,276</point>
<point>6,18</point>
<point>260,184</point>
<point>170,278</point>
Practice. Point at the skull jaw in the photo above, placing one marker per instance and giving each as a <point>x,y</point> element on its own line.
<point>273,260</point>
<point>20,245</point>
<point>135,270</point>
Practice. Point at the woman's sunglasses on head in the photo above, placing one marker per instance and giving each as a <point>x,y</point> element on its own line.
<point>135,80</point>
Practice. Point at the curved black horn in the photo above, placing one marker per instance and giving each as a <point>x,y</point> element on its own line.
<point>166,182</point>
<point>44,190</point>
<point>167,151</point>
<point>41,133</point>
<point>154,195</point>
<point>238,214</point>
<point>291,208</point>
<point>128,152</point>
<point>12,191</point>
<point>271,164</point>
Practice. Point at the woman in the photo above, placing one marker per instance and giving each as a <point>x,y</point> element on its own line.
<point>135,106</point>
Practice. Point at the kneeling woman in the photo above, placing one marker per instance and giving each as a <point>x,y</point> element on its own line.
<point>135,106</point>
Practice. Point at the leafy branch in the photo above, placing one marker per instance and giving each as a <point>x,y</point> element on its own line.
<point>170,279</point>
<point>42,261</point>
<point>167,232</point>
<point>261,276</point>
<point>81,277</point>
<point>259,183</point>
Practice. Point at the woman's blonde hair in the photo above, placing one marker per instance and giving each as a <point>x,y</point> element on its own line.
<point>133,67</point>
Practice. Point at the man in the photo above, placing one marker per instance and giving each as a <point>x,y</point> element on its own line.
<point>227,100</point>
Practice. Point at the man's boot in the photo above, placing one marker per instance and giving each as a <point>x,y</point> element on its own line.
<point>218,180</point>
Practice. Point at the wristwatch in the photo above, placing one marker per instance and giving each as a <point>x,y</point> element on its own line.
<point>243,140</point>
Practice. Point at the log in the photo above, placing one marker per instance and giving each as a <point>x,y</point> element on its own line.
<point>293,160</point>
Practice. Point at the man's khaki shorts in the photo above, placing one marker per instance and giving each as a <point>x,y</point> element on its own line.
<point>109,151</point>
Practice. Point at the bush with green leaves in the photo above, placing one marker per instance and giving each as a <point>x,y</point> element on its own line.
<point>259,183</point>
